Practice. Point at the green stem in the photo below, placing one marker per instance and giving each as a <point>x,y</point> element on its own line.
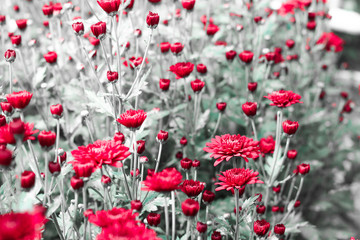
<point>10,76</point>
<point>126,182</point>
<point>158,158</point>
<point>166,218</point>
<point>296,198</point>
<point>237,214</point>
<point>217,125</point>
<point>173,232</point>
<point>105,55</point>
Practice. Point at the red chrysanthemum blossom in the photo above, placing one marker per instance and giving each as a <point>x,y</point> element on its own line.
<point>7,137</point>
<point>227,146</point>
<point>19,99</point>
<point>132,119</point>
<point>182,69</point>
<point>108,152</point>
<point>105,218</point>
<point>331,42</point>
<point>283,98</point>
<point>129,230</point>
<point>23,226</point>
<point>164,181</point>
<point>237,178</point>
<point>192,188</point>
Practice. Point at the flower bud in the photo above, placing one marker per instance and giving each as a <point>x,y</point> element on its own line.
<point>303,168</point>
<point>78,27</point>
<point>56,111</point>
<point>196,163</point>
<point>164,47</point>
<point>261,227</point>
<point>16,40</point>
<point>2,120</point>
<point>290,43</point>
<point>76,183</point>
<point>136,205</point>
<point>197,85</point>
<point>46,139</point>
<point>137,173</point>
<point>179,155</point>
<point>7,108</point>
<point>105,180</point>
<point>186,163</point>
<point>10,56</point>
<point>291,154</point>
<point>6,156</point>
<point>54,168</point>
<point>216,235</point>
<point>260,209</point>
<point>119,137</point>
<point>21,24</point>
<point>152,20</point>
<point>221,106</point>
<point>279,230</point>
<point>17,126</point>
<point>2,19</point>
<point>249,108</point>
<point>277,189</point>
<point>190,207</point>
<point>48,10</point>
<point>201,68</point>
<point>112,76</point>
<point>230,55</point>
<point>290,127</point>
<point>143,159</point>
<point>153,219</point>
<point>188,4</point>
<point>201,227</point>
<point>252,86</point>
<point>99,30</point>
<point>297,204</point>
<point>27,179</point>
<point>176,48</point>
<point>208,196</point>
<point>140,146</point>
<point>183,141</point>
<point>50,57</point>
<point>84,170</point>
<point>246,56</point>
<point>162,136</point>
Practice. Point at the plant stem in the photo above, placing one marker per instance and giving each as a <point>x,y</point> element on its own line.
<point>166,218</point>
<point>217,125</point>
<point>188,228</point>
<point>158,158</point>
<point>206,213</point>
<point>135,164</point>
<point>290,190</point>
<point>90,133</point>
<point>105,55</point>
<point>173,231</point>
<point>126,182</point>
<point>236,236</point>
<point>85,203</point>
<point>35,161</point>
<point>252,224</point>
<point>47,173</point>
<point>10,76</point>
<point>57,139</point>
<point>296,198</point>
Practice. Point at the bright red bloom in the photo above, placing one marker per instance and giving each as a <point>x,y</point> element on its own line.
<point>152,20</point>
<point>212,29</point>
<point>16,40</point>
<point>230,55</point>
<point>21,23</point>
<point>78,27</point>
<point>201,227</point>
<point>201,68</point>
<point>176,48</point>
<point>290,127</point>
<point>267,145</point>
<point>227,146</point>
<point>188,4</point>
<point>190,207</point>
<point>101,152</point>
<point>208,196</point>
<point>56,111</point>
<point>246,56</point>
<point>132,119</point>
<point>76,182</point>
<point>50,57</point>
<point>261,227</point>
<point>192,188</point>
<point>109,6</point>
<point>136,205</point>
<point>197,85</point>
<point>291,154</point>
<point>164,84</point>
<point>165,47</point>
<point>27,179</point>
<point>6,156</point>
<point>105,218</point>
<point>283,98</point>
<point>98,29</point>
<point>237,178</point>
<point>164,181</point>
<point>46,139</point>
<point>182,69</point>
<point>186,163</point>
<point>112,76</point>
<point>249,108</point>
<point>221,106</point>
<point>153,219</point>
<point>331,42</point>
<point>10,55</point>
<point>279,229</point>
<point>7,135</point>
<point>23,226</point>
<point>19,99</point>
<point>303,168</point>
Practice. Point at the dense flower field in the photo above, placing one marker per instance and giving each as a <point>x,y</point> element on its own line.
<point>189,119</point>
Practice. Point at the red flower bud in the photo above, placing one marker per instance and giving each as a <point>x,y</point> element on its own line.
<point>153,219</point>
<point>16,40</point>
<point>112,76</point>
<point>78,27</point>
<point>290,127</point>
<point>197,85</point>
<point>137,172</point>
<point>344,95</point>
<point>216,236</point>
<point>196,163</point>
<point>252,86</point>
<point>137,33</point>
<point>311,25</point>
<point>105,180</point>
<point>176,48</point>
<point>183,141</point>
<point>179,155</point>
<point>230,55</point>
<point>50,57</point>
<point>2,19</point>
<point>99,30</point>
<point>162,136</point>
<point>249,108</point>
<point>21,24</point>
<point>164,47</point>
<point>76,183</point>
<point>110,6</point>
<point>62,155</point>
<point>275,209</point>
<point>290,43</point>
<point>258,19</point>
<point>54,168</point>
<point>303,168</point>
<point>140,146</point>
<point>2,120</point>
<point>212,29</point>
<point>201,68</point>
<point>46,139</point>
<point>10,55</point>
<point>188,4</point>
<point>246,56</point>
<point>6,156</point>
<point>136,205</point>
<point>164,84</point>
<point>279,229</point>
<point>260,209</point>
<point>186,163</point>
<point>7,108</point>
<point>277,189</point>
<point>221,106</point>
<point>19,99</point>
<point>143,159</point>
<point>48,10</point>
<point>201,227</point>
<point>94,41</point>
<point>261,227</point>
<point>17,126</point>
<point>208,196</point>
<point>84,170</point>
<point>297,203</point>
<point>190,207</point>
<point>291,154</point>
<point>152,20</point>
<point>119,137</point>
<point>56,111</point>
<point>27,179</point>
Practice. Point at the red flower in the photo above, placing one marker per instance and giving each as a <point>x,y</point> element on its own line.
<point>109,6</point>
<point>216,236</point>
<point>237,178</point>
<point>186,163</point>
<point>19,99</point>
<point>6,156</point>
<point>230,55</point>
<point>164,181</point>
<point>176,48</point>
<point>252,86</point>
<point>105,218</point>
<point>98,29</point>
<point>208,196</point>
<point>212,29</point>
<point>101,152</point>
<point>50,57</point>
<point>188,4</point>
<point>23,226</point>
<point>10,55</point>
<point>7,135</point>
<point>78,27</point>
<point>249,108</point>
<point>221,106</point>
<point>132,119</point>
<point>267,145</point>
<point>21,23</point>
<point>331,42</point>
<point>152,20</point>
<point>136,205</point>
<point>56,111</point>
<point>227,146</point>
<point>16,40</point>
<point>261,227</point>
<point>105,180</point>
<point>153,219</point>
<point>291,154</point>
<point>112,76</point>
<point>162,136</point>
<point>197,85</point>
<point>190,207</point>
<point>279,229</point>
<point>283,98</point>
<point>303,168</point>
<point>290,127</point>
<point>192,188</point>
<point>76,182</point>
<point>201,68</point>
<point>246,56</point>
<point>201,227</point>
<point>27,179</point>
<point>7,108</point>
<point>165,47</point>
<point>46,139</point>
<point>182,69</point>
<point>119,137</point>
<point>164,84</point>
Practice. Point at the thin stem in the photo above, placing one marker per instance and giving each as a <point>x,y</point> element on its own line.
<point>10,78</point>
<point>135,163</point>
<point>118,57</point>
<point>57,139</point>
<point>47,173</point>
<point>237,214</point>
<point>158,158</point>
<point>85,203</point>
<point>126,182</point>
<point>195,174</point>
<point>166,218</point>
<point>252,224</point>
<point>63,202</point>
<point>207,213</point>
<point>23,63</point>
<point>35,161</point>
<point>57,226</point>
<point>105,55</point>
<point>289,166</point>
<point>173,231</point>
<point>277,144</point>
<point>290,190</point>
<point>256,139</point>
<point>217,125</point>
<point>296,198</point>
<point>90,132</point>
<point>188,228</point>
